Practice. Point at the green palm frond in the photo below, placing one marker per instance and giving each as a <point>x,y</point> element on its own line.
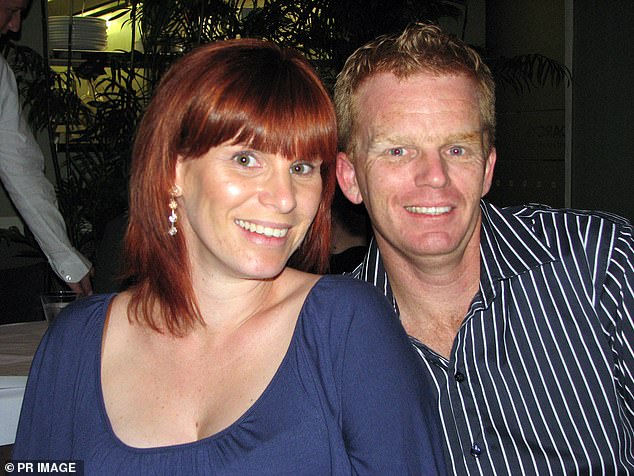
<point>525,72</point>
<point>95,149</point>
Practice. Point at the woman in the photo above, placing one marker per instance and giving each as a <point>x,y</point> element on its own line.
<point>220,359</point>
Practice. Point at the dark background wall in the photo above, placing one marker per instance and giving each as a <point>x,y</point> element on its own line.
<point>533,126</point>
<point>531,122</point>
<point>567,147</point>
<point>603,106</point>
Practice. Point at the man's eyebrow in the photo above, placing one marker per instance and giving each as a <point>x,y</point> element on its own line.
<point>378,143</point>
<point>469,136</point>
<point>387,136</point>
<point>389,140</point>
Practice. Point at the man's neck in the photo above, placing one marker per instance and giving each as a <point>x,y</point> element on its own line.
<point>433,296</point>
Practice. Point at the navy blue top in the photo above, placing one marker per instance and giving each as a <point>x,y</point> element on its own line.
<point>349,397</point>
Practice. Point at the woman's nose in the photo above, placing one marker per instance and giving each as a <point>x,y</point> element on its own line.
<point>278,191</point>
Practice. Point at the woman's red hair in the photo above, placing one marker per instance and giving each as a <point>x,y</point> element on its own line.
<point>247,91</point>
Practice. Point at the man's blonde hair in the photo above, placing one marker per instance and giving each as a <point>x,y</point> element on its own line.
<point>420,48</point>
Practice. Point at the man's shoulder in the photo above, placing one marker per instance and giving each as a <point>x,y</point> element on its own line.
<point>8,90</point>
<point>5,69</point>
<point>539,215</point>
<point>564,232</point>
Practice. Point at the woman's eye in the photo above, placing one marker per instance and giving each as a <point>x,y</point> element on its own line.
<point>302,168</point>
<point>246,160</point>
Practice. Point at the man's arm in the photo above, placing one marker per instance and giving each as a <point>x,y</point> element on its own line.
<point>617,303</point>
<point>22,174</point>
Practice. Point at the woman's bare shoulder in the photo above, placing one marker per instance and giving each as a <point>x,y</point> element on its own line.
<point>297,284</point>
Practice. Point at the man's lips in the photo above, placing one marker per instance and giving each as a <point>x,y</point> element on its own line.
<point>435,211</point>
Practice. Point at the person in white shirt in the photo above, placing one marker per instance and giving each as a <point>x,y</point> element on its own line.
<point>22,173</point>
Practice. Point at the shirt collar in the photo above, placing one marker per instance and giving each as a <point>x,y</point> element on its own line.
<point>508,246</point>
<point>373,271</point>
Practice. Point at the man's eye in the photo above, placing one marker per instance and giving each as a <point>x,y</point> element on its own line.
<point>301,168</point>
<point>396,151</point>
<point>456,151</point>
<point>245,160</point>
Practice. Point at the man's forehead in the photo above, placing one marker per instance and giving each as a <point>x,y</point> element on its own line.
<point>386,92</point>
<point>391,122</point>
<point>387,79</point>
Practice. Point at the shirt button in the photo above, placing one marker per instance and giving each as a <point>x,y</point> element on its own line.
<point>476,450</point>
<point>68,278</point>
<point>459,376</point>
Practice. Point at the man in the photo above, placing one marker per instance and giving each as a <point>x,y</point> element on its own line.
<point>523,317</point>
<point>21,171</point>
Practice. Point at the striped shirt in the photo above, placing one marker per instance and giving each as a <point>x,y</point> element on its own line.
<point>540,377</point>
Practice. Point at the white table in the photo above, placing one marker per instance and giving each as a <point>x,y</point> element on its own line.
<point>18,343</point>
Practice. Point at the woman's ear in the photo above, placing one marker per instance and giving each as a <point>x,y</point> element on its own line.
<point>179,177</point>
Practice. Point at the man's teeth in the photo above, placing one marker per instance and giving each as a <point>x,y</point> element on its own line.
<point>262,230</point>
<point>429,210</point>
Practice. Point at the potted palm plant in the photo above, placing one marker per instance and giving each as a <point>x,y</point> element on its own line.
<point>91,138</point>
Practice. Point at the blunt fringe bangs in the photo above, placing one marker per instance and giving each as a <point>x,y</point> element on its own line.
<point>243,91</point>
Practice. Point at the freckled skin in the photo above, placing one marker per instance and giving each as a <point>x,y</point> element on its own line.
<point>232,187</point>
<point>419,165</point>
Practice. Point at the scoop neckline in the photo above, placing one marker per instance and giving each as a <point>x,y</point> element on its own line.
<point>218,435</point>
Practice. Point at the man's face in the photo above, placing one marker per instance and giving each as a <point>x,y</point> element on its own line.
<point>419,164</point>
<point>11,15</point>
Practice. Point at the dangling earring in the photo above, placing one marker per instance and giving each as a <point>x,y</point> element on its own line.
<point>173,217</point>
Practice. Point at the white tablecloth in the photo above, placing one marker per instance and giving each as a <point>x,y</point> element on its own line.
<point>18,343</point>
<point>11,394</point>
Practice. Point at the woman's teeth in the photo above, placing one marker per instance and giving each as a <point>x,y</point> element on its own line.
<point>262,230</point>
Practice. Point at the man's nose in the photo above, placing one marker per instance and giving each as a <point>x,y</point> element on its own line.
<point>431,170</point>
<point>16,22</point>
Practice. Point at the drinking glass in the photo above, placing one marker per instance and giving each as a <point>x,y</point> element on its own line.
<point>54,302</point>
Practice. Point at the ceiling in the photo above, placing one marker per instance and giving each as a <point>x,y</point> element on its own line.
<point>89,7</point>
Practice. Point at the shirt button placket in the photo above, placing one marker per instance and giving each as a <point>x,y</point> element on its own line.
<point>476,450</point>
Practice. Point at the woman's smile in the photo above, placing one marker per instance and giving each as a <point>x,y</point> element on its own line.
<point>277,232</point>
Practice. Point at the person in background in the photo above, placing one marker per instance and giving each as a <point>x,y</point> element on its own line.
<point>523,317</point>
<point>350,229</point>
<point>220,358</point>
<point>22,173</point>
